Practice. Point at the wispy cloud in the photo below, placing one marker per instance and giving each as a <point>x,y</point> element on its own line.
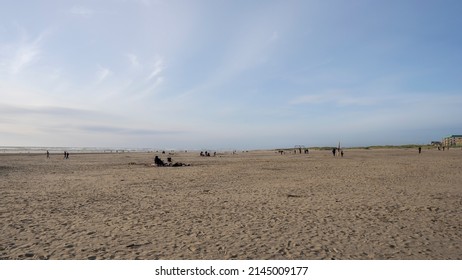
<point>339,98</point>
<point>133,60</point>
<point>102,74</point>
<point>153,80</point>
<point>81,11</point>
<point>124,130</point>
<point>27,52</point>
<point>157,69</point>
<point>53,111</point>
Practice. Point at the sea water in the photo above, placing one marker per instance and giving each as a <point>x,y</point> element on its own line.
<point>55,150</point>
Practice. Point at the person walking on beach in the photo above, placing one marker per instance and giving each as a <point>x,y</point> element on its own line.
<point>420,150</point>
<point>333,151</point>
<point>48,154</point>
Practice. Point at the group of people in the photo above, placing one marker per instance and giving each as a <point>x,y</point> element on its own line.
<point>337,152</point>
<point>160,163</point>
<point>207,154</point>
<point>305,151</point>
<point>66,154</point>
<point>300,151</point>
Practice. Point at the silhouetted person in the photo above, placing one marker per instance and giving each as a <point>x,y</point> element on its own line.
<point>48,154</point>
<point>341,153</point>
<point>158,161</point>
<point>420,150</point>
<point>333,151</point>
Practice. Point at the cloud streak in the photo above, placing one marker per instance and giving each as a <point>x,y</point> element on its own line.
<point>52,111</point>
<point>102,74</point>
<point>340,98</point>
<point>119,130</point>
<point>19,56</point>
<point>133,60</point>
<point>157,69</point>
<point>81,11</point>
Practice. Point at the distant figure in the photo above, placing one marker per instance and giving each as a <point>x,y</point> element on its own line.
<point>341,153</point>
<point>48,154</point>
<point>158,161</point>
<point>333,151</point>
<point>65,154</point>
<point>420,150</point>
<point>443,148</point>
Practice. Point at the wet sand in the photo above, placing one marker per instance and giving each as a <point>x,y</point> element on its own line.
<point>370,204</point>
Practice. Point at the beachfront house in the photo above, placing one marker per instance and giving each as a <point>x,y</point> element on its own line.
<point>436,143</point>
<point>452,140</point>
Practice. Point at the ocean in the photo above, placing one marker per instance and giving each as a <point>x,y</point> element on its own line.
<point>55,150</point>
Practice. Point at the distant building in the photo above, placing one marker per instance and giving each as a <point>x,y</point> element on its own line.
<point>436,143</point>
<point>452,140</point>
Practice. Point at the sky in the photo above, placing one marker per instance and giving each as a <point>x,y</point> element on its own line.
<point>216,74</point>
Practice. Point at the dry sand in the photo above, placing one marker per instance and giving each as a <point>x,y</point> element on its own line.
<point>371,204</point>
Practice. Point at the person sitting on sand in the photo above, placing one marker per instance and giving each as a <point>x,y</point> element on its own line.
<point>158,161</point>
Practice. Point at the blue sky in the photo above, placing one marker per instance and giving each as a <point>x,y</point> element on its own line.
<point>229,74</point>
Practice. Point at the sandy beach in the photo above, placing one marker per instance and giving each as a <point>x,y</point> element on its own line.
<point>370,204</point>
